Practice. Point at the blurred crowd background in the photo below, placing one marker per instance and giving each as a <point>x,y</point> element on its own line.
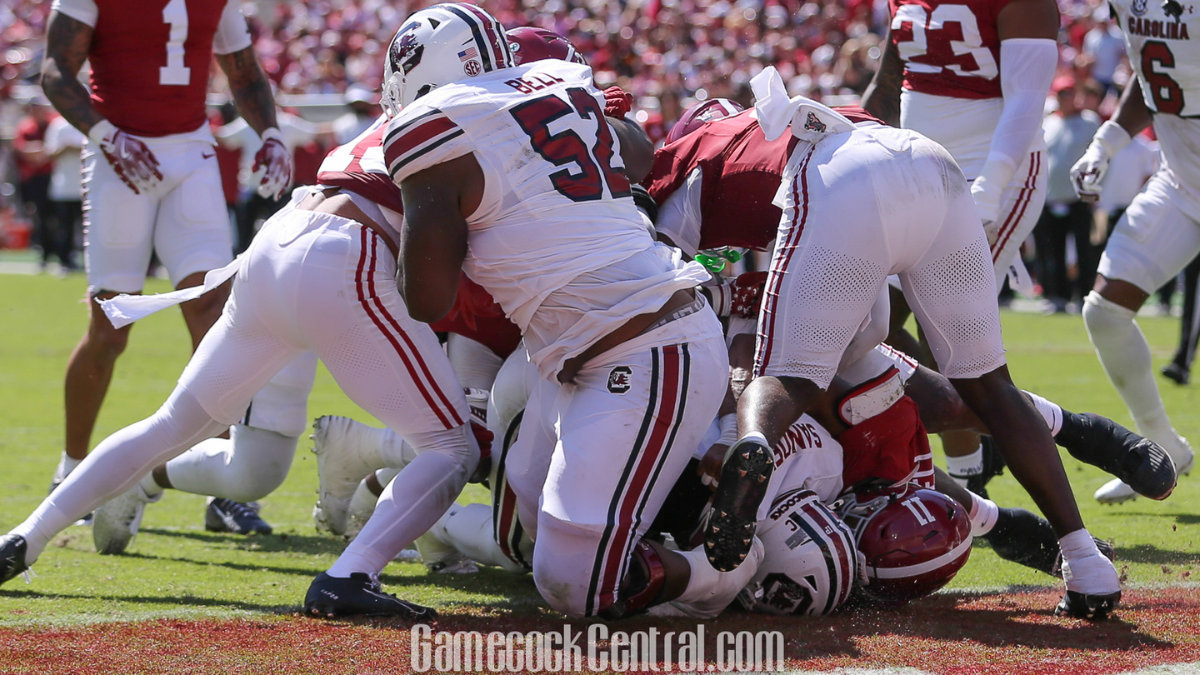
<point>326,58</point>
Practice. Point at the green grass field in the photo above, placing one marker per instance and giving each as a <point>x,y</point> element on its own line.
<point>176,569</point>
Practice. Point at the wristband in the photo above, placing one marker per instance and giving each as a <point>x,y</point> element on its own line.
<point>1113,137</point>
<point>100,131</point>
<point>272,134</point>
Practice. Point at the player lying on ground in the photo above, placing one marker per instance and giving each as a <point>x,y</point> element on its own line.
<point>861,203</point>
<point>1158,235</point>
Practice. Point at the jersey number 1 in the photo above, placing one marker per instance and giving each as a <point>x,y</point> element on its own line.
<point>566,147</point>
<point>175,15</point>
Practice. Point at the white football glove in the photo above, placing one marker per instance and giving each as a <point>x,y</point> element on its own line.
<point>1089,171</point>
<point>987,193</point>
<point>274,157</point>
<point>131,159</point>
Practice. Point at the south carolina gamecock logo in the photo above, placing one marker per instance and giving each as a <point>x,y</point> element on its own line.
<point>1139,7</point>
<point>619,379</point>
<point>406,53</point>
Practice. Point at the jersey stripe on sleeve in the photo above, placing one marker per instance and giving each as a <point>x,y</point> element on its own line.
<point>413,139</point>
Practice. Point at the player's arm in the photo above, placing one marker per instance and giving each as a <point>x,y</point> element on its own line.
<point>251,93</point>
<point>67,43</point>
<point>1132,116</point>
<point>1028,58</point>
<point>437,201</point>
<point>68,40</point>
<point>882,97</point>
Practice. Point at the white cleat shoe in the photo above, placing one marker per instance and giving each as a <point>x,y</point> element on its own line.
<point>115,524</point>
<point>1115,491</point>
<point>346,452</point>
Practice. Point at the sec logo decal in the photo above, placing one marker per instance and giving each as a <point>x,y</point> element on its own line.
<point>619,379</point>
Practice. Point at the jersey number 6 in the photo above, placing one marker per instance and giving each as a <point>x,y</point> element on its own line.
<point>566,147</point>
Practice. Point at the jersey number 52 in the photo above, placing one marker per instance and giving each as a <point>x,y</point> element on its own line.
<point>932,41</point>
<point>566,147</point>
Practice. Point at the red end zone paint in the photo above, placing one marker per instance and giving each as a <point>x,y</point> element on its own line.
<point>945,634</point>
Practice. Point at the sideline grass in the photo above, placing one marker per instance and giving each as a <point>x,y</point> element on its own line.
<point>176,569</point>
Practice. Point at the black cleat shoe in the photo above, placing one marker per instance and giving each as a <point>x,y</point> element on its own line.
<point>12,556</point>
<point>1091,607</point>
<point>729,534</point>
<point>226,515</point>
<point>360,595</point>
<point>1025,538</point>
<point>1140,462</point>
<point>1176,373</point>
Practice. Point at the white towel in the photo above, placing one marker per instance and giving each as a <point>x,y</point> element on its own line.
<point>125,309</point>
<point>808,120</point>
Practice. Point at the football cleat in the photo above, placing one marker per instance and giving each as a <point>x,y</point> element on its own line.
<point>12,556</point>
<point>1176,373</point>
<point>346,452</point>
<point>729,534</point>
<point>359,595</point>
<point>226,515</point>
<point>1140,463</point>
<point>459,564</point>
<point>1085,606</point>
<point>115,524</point>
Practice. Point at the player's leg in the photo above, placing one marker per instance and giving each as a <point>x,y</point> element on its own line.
<point>952,291</point>
<point>829,266</point>
<point>1179,370</point>
<point>1153,241</point>
<point>621,448</point>
<point>118,234</point>
<point>395,369</point>
<point>475,365</point>
<point>191,235</point>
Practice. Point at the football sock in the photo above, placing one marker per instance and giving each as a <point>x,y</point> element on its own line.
<point>962,468</point>
<point>1125,356</point>
<point>117,464</point>
<point>1050,411</point>
<point>65,466</point>
<point>409,506</point>
<point>984,514</point>
<point>248,466</point>
<point>1085,569</point>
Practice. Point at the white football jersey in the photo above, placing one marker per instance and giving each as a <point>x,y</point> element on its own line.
<point>556,240</point>
<point>1166,58</point>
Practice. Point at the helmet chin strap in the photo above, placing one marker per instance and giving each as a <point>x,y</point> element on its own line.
<point>390,96</point>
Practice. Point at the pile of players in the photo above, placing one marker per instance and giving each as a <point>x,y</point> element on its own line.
<point>657,436</point>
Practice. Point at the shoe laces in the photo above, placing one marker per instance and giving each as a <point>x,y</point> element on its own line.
<point>236,509</point>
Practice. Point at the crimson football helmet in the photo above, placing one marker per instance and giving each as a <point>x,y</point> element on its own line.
<point>439,45</point>
<point>694,117</point>
<point>809,565</point>
<point>912,541</point>
<point>529,44</point>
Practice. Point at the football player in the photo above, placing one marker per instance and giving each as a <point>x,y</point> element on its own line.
<point>1158,234</point>
<point>514,175</point>
<point>915,218</point>
<point>150,170</point>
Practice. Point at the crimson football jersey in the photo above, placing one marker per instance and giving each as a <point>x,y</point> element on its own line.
<point>740,171</point>
<point>949,48</point>
<point>150,64</point>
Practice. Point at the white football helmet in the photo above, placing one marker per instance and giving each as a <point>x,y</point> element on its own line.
<point>439,45</point>
<point>810,564</point>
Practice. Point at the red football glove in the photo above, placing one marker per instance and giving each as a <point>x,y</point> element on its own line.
<point>747,294</point>
<point>130,158</point>
<point>617,103</point>
<point>275,158</point>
